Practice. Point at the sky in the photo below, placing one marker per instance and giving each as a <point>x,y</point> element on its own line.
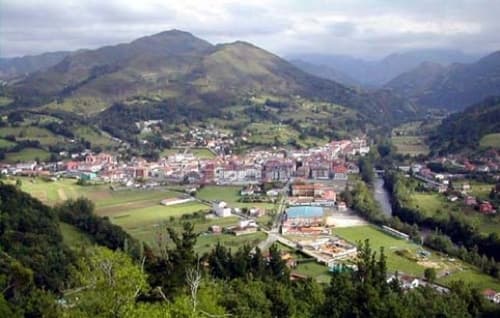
<point>361,28</point>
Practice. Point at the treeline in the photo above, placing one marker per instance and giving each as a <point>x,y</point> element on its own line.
<point>80,213</point>
<point>458,229</point>
<point>362,200</point>
<point>41,277</point>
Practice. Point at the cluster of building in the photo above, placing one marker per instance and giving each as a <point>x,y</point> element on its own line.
<point>327,162</point>
<point>454,186</point>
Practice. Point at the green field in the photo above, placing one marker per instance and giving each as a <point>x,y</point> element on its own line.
<point>5,101</point>
<point>473,277</point>
<point>44,136</point>
<point>201,153</point>
<point>390,243</point>
<point>27,154</point>
<point>411,145</point>
<point>457,270</point>
<point>437,206</point>
<point>230,195</point>
<point>490,140</point>
<point>94,136</point>
<point>313,269</point>
<point>429,204</point>
<point>6,143</point>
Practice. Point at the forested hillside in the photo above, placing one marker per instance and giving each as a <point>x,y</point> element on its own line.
<point>41,277</point>
<point>463,131</point>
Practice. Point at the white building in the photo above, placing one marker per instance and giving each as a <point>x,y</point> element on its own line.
<point>221,209</point>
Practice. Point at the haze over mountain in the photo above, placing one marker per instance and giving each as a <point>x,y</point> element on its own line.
<point>175,65</point>
<point>377,73</point>
<point>325,71</point>
<point>20,66</point>
<point>453,87</point>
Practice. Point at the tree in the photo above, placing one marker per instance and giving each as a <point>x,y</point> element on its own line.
<point>430,274</point>
<point>107,284</point>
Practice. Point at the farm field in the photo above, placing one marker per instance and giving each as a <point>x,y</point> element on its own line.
<point>230,195</point>
<point>490,140</point>
<point>411,145</point>
<point>429,204</point>
<point>139,212</point>
<point>27,154</point>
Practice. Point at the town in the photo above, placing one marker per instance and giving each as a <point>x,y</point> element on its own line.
<point>297,192</point>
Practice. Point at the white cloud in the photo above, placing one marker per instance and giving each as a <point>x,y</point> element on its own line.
<point>357,27</point>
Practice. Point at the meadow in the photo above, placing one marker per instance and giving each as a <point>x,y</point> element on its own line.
<point>448,270</point>
<point>27,154</point>
<point>230,195</point>
<point>490,141</point>
<point>411,145</point>
<point>139,212</point>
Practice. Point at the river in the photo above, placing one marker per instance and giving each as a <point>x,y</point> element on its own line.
<point>382,196</point>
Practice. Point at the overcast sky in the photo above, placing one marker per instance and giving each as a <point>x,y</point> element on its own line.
<point>364,28</point>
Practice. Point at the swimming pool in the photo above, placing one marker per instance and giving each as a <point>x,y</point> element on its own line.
<point>304,212</point>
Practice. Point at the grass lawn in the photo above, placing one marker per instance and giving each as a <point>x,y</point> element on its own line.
<point>44,136</point>
<point>73,237</point>
<point>201,153</point>
<point>428,203</point>
<point>473,277</point>
<point>490,140</point>
<point>130,219</point>
<point>390,243</point>
<point>27,154</point>
<point>312,269</point>
<point>481,190</point>
<point>230,194</point>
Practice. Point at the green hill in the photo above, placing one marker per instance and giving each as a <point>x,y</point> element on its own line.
<point>453,87</point>
<point>177,67</point>
<point>470,129</point>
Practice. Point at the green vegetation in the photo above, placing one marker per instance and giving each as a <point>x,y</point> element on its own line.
<point>73,237</point>
<point>411,145</point>
<point>27,154</point>
<point>390,244</point>
<point>490,141</point>
<point>464,131</point>
<point>5,101</point>
<point>6,144</point>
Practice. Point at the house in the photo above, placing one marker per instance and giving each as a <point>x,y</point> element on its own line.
<point>340,172</point>
<point>320,171</point>
<point>215,229</point>
<point>278,170</point>
<point>341,206</point>
<point>486,208</point>
<point>406,282</point>
<point>273,193</point>
<point>221,210</point>
<point>470,201</point>
<point>491,295</point>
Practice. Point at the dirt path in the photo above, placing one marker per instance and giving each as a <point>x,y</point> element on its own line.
<point>62,194</point>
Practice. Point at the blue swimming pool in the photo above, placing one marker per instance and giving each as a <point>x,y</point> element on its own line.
<point>304,212</point>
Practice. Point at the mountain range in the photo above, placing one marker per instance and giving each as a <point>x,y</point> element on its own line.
<point>12,68</point>
<point>453,87</point>
<point>175,65</point>
<point>376,73</point>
